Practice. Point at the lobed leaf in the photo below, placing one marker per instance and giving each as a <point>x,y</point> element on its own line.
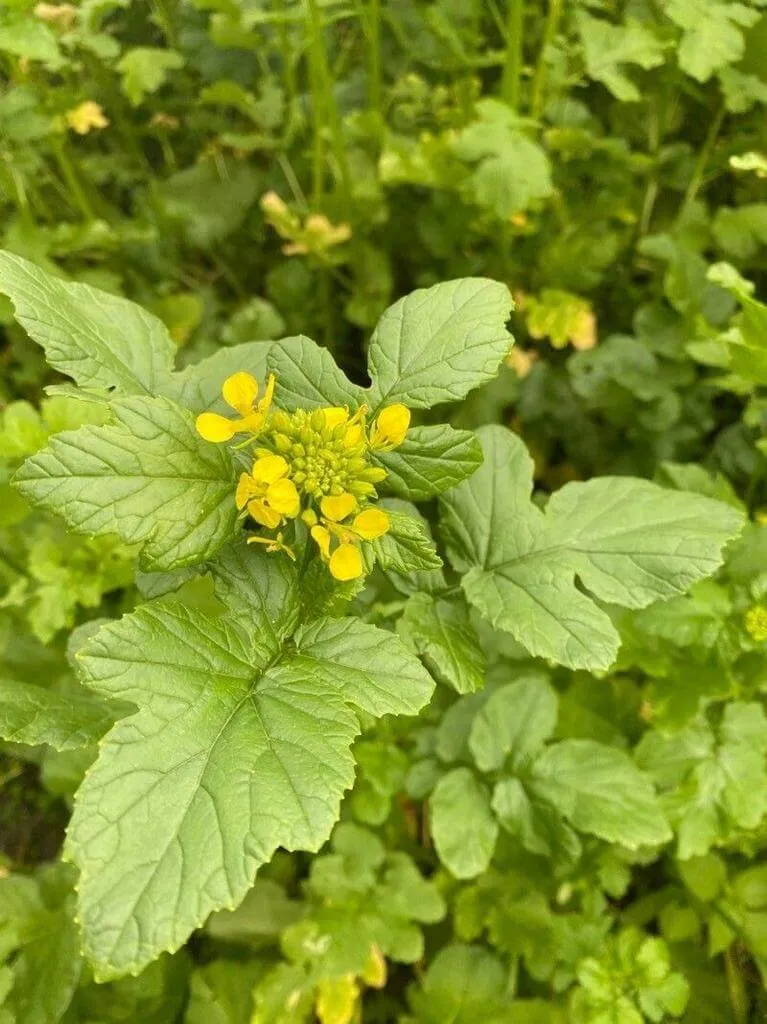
<point>34,715</point>
<point>630,542</point>
<point>98,339</point>
<point>240,744</point>
<point>442,633</point>
<point>149,478</point>
<point>430,461</point>
<point>599,789</point>
<point>437,344</point>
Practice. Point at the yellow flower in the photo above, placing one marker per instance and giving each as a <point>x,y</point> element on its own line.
<point>312,463</point>
<point>240,391</point>
<point>345,560</point>
<point>61,15</point>
<point>88,115</point>
<point>389,429</point>
<point>267,493</point>
<point>338,507</point>
<point>318,235</point>
<point>756,623</point>
<point>346,563</point>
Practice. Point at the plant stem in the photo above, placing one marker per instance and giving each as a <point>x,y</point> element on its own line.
<point>317,113</point>
<point>164,18</point>
<point>512,69</point>
<point>325,110</point>
<point>736,989</point>
<point>374,44</point>
<point>307,558</point>
<point>703,158</point>
<point>69,174</point>
<point>370,19</point>
<point>553,15</point>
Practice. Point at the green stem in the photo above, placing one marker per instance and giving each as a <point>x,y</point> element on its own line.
<point>512,69</point>
<point>374,44</point>
<point>67,168</point>
<point>736,989</point>
<point>290,83</point>
<point>292,180</point>
<point>327,310</point>
<point>318,146</point>
<point>553,16</point>
<point>15,186</point>
<point>164,18</point>
<point>703,158</point>
<point>307,558</point>
<point>325,110</point>
<point>513,978</point>
<point>652,188</point>
<point>370,18</point>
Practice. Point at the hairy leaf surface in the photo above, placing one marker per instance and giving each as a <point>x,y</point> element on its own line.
<point>629,542</point>
<point>98,339</point>
<point>438,343</point>
<point>149,478</point>
<point>240,744</point>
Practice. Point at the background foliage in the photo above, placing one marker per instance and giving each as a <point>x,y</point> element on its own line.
<point>246,170</point>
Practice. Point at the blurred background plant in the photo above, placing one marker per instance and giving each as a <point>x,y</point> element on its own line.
<point>248,169</point>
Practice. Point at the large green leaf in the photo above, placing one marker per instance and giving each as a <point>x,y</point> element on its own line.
<point>98,339</point>
<point>149,478</point>
<point>712,34</point>
<point>408,545</point>
<point>600,790</point>
<point>712,781</point>
<point>430,461</point>
<point>630,542</point>
<point>536,822</point>
<point>607,48</point>
<point>34,715</point>
<point>441,632</point>
<point>308,376</point>
<point>198,386</point>
<point>464,985</point>
<point>511,171</point>
<point>514,723</point>
<point>438,343</point>
<point>464,827</point>
<point>240,744</point>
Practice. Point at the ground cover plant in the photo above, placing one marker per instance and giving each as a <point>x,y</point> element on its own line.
<point>383,565</point>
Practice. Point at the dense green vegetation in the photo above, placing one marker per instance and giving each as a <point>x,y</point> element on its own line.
<point>505,762</point>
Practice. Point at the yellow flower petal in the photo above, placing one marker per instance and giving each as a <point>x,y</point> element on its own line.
<point>263,514</point>
<point>338,507</point>
<point>371,523</point>
<point>252,423</point>
<point>265,404</point>
<point>335,416</point>
<point>353,435</point>
<point>247,488</point>
<point>346,563</point>
<point>240,391</point>
<point>282,496</point>
<point>390,427</point>
<point>215,428</point>
<point>321,536</point>
<point>88,115</point>
<point>269,468</point>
